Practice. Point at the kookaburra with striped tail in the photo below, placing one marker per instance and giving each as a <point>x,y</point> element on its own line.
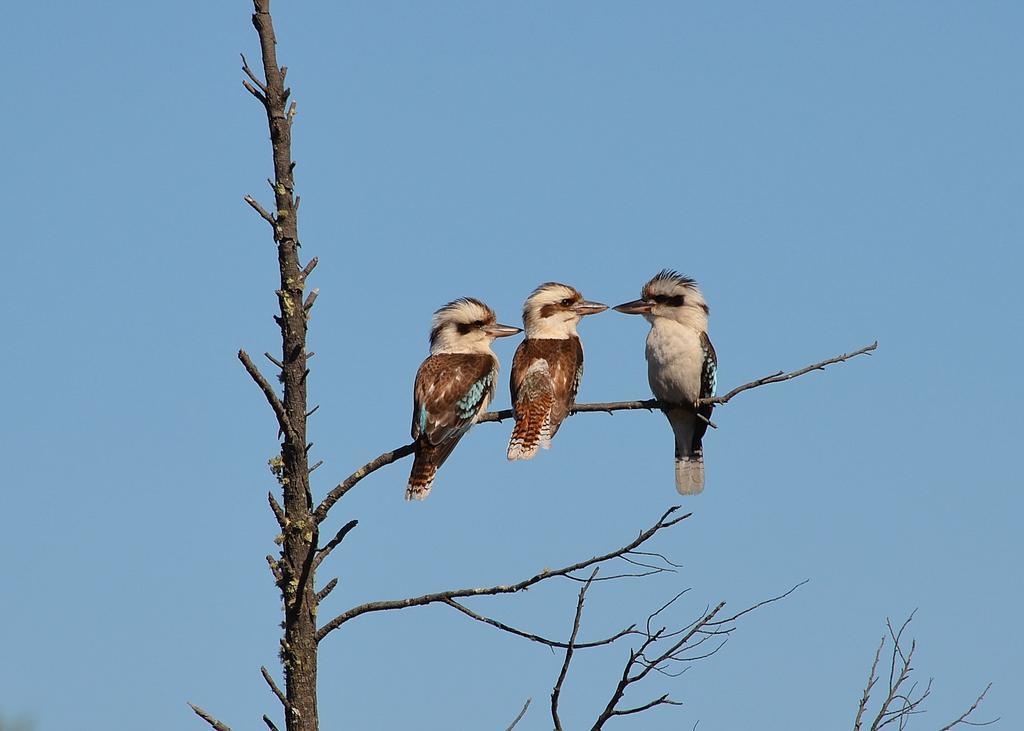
<point>453,385</point>
<point>547,366</point>
<point>681,365</point>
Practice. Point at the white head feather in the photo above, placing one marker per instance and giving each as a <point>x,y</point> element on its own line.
<point>548,312</point>
<point>676,297</point>
<point>458,327</point>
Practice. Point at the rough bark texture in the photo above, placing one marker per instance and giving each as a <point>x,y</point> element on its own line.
<point>298,647</point>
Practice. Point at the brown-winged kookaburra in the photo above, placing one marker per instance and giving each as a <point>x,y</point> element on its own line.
<point>547,366</point>
<point>681,365</point>
<point>453,385</point>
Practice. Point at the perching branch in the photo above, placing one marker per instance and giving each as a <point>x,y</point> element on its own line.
<point>396,454</point>
<point>900,704</point>
<point>444,597</point>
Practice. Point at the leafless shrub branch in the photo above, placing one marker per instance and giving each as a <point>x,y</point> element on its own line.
<point>900,704</point>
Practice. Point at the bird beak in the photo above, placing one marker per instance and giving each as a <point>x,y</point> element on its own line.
<point>587,307</point>
<point>636,307</point>
<point>501,331</point>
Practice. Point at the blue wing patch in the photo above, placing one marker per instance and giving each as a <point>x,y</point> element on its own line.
<point>469,404</point>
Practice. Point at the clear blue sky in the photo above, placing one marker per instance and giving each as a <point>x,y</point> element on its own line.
<point>831,173</point>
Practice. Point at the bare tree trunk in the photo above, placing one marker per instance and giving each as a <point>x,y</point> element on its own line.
<point>295,569</point>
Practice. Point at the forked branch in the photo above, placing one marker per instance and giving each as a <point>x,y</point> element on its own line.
<point>901,703</point>
<point>660,651</point>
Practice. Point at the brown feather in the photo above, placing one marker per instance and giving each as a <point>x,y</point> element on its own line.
<point>442,382</point>
<point>542,396</point>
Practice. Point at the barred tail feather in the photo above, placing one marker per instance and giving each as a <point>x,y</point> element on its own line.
<point>421,479</point>
<point>529,434</point>
<point>533,427</point>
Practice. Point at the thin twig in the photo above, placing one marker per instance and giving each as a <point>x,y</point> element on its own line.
<point>328,588</point>
<point>333,543</point>
<point>264,213</point>
<point>760,604</point>
<point>268,391</point>
<point>273,686</point>
<point>352,480</point>
<point>872,679</point>
<point>248,72</point>
<point>536,638</point>
<point>663,700</point>
<point>518,718</point>
<point>780,376</point>
<point>218,725</point>
<point>557,690</point>
<point>963,717</point>
<point>270,724</point>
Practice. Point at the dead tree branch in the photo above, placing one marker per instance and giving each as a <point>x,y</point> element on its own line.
<point>518,718</point>
<point>557,690</point>
<point>536,638</point>
<point>650,404</point>
<point>901,703</point>
<point>273,687</point>
<point>444,597</point>
<point>333,543</point>
<point>659,651</point>
<point>218,725</point>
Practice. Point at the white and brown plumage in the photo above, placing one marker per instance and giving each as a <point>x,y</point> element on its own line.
<point>453,385</point>
<point>681,365</point>
<point>547,366</point>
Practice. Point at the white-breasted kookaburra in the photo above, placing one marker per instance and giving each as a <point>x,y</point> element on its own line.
<point>681,365</point>
<point>547,366</point>
<point>453,385</point>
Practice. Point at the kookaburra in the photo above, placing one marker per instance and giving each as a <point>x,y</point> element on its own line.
<point>547,366</point>
<point>453,385</point>
<point>681,365</point>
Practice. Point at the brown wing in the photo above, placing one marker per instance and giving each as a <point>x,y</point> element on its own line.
<point>543,383</point>
<point>451,389</point>
<point>450,392</point>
